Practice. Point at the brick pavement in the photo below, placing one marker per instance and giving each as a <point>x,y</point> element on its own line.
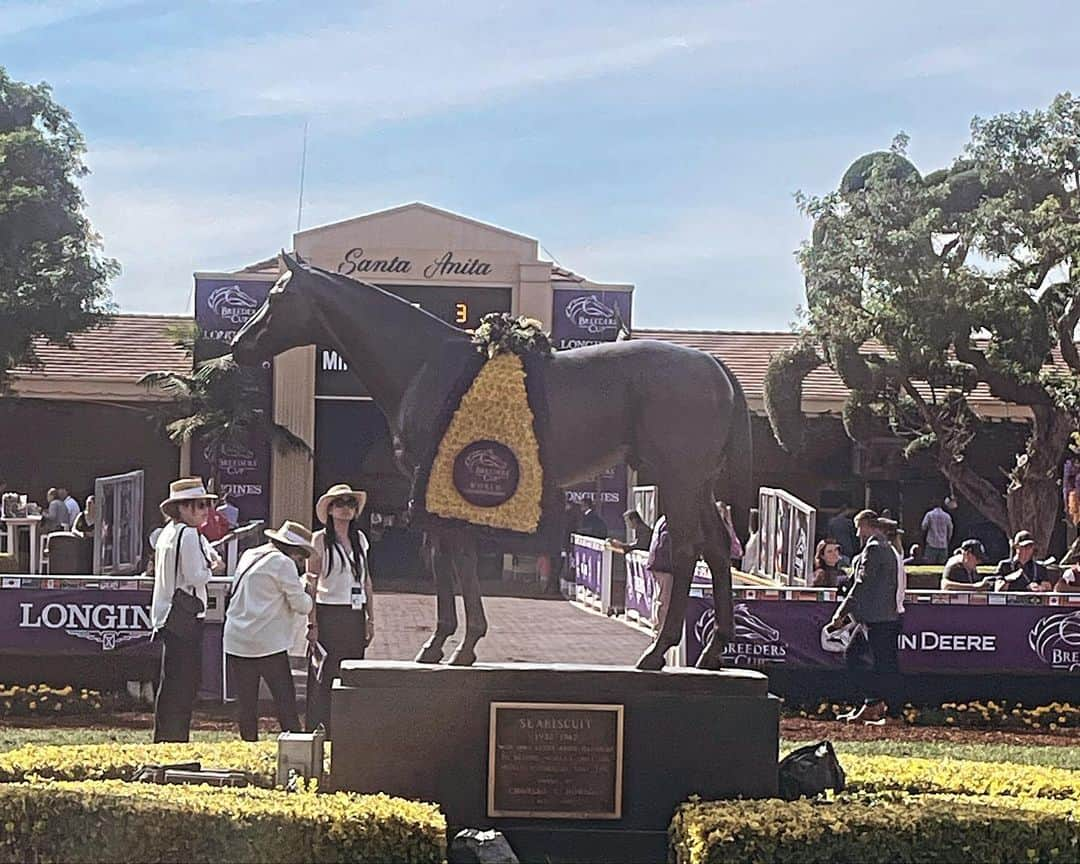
<point>520,629</point>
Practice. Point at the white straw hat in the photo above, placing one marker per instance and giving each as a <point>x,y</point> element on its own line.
<point>341,490</point>
<point>292,534</point>
<point>184,491</point>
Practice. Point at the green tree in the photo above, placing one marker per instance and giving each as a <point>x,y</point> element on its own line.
<point>53,280</point>
<point>921,289</point>
<point>220,404</point>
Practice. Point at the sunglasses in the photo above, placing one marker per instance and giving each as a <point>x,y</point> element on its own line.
<point>343,502</point>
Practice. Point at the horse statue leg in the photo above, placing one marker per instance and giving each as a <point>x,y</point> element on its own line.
<point>717,553</point>
<point>475,620</point>
<point>682,528</point>
<point>441,560</point>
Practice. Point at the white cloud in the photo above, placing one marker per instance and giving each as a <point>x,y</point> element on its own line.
<point>20,17</point>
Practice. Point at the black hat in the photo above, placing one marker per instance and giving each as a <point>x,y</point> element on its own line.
<point>975,547</point>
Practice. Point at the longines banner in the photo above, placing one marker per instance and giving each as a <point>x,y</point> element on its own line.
<point>579,318</point>
<point>80,621</point>
<point>223,304</point>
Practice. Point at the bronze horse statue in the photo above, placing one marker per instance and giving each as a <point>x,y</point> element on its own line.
<point>675,412</point>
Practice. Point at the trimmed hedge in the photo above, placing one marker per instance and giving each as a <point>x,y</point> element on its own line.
<point>128,823</point>
<point>963,777</point>
<point>884,827</point>
<point>120,761</point>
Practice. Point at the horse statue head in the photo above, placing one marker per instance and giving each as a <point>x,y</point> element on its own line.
<point>285,320</point>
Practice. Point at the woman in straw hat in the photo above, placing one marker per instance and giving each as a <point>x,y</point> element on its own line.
<point>342,621</point>
<point>183,560</point>
<point>267,594</point>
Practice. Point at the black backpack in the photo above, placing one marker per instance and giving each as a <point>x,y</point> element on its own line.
<point>809,771</point>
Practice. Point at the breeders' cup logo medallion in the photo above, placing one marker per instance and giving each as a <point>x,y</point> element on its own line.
<point>590,314</point>
<point>1056,639</point>
<point>232,303</point>
<point>756,642</point>
<point>486,473</point>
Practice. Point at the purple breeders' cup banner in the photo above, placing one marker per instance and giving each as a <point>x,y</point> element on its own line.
<point>222,306</point>
<point>938,638</point>
<point>82,621</point>
<point>589,563</point>
<point>581,317</point>
<point>641,588</point>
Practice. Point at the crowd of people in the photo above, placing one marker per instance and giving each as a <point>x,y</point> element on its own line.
<point>319,582</point>
<point>835,555</point>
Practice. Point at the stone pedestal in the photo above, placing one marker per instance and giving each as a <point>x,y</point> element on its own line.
<point>569,735</point>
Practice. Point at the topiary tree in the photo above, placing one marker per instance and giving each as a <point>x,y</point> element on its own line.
<point>53,281</point>
<point>921,289</point>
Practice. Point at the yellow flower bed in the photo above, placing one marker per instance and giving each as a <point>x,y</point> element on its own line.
<point>883,827</point>
<point>496,408</point>
<point>974,715</point>
<point>39,700</point>
<point>962,777</point>
<point>133,822</point>
<point>120,761</point>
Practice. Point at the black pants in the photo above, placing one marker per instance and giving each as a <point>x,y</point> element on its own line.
<point>181,670</point>
<point>343,633</point>
<point>274,669</point>
<point>874,665</point>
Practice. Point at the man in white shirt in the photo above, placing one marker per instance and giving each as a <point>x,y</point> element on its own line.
<point>183,561</point>
<point>937,525</point>
<point>268,598</point>
<point>72,506</point>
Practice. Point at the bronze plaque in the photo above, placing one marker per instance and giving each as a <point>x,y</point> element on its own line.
<point>551,760</point>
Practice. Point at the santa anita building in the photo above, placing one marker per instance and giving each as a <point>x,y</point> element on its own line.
<point>456,268</point>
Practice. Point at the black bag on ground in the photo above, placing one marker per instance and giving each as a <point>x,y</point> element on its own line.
<point>182,621</point>
<point>809,771</point>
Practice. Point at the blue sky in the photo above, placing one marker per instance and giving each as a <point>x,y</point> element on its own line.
<point>653,143</point>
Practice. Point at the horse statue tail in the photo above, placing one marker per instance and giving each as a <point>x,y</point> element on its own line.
<point>735,485</point>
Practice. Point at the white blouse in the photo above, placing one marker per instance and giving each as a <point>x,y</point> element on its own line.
<point>267,598</point>
<point>336,580</point>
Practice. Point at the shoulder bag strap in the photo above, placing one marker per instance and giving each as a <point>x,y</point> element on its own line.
<point>240,575</point>
<point>176,561</point>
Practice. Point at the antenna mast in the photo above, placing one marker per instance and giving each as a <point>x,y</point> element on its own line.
<point>303,165</point>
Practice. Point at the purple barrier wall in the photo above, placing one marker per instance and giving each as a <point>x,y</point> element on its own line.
<point>944,633</point>
<point>589,562</point>
<point>77,621</point>
<point>641,588</point>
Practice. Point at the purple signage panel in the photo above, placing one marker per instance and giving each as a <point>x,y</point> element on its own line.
<point>589,564</point>
<point>580,317</point>
<point>223,304</point>
<point>938,637</point>
<point>641,588</point>
<point>79,621</point>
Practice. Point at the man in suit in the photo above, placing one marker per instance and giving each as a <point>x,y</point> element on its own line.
<point>871,603</point>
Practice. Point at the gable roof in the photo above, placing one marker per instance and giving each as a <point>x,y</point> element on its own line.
<point>419,205</point>
<point>107,362</point>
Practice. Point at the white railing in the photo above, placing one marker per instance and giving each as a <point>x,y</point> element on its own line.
<point>786,537</point>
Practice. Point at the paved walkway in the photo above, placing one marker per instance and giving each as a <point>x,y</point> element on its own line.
<point>520,629</point>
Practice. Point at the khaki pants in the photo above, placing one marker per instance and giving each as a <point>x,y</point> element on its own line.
<point>662,601</point>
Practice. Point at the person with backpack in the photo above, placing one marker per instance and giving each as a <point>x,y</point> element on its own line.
<point>267,595</point>
<point>342,622</point>
<point>183,564</point>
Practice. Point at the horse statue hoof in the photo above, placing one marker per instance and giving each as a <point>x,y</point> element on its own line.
<point>651,661</point>
<point>429,654</point>
<point>463,657</point>
<point>710,660</point>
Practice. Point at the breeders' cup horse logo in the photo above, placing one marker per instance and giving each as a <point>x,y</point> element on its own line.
<point>748,627</point>
<point>487,465</point>
<point>1056,639</point>
<point>232,303</point>
<point>590,314</point>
